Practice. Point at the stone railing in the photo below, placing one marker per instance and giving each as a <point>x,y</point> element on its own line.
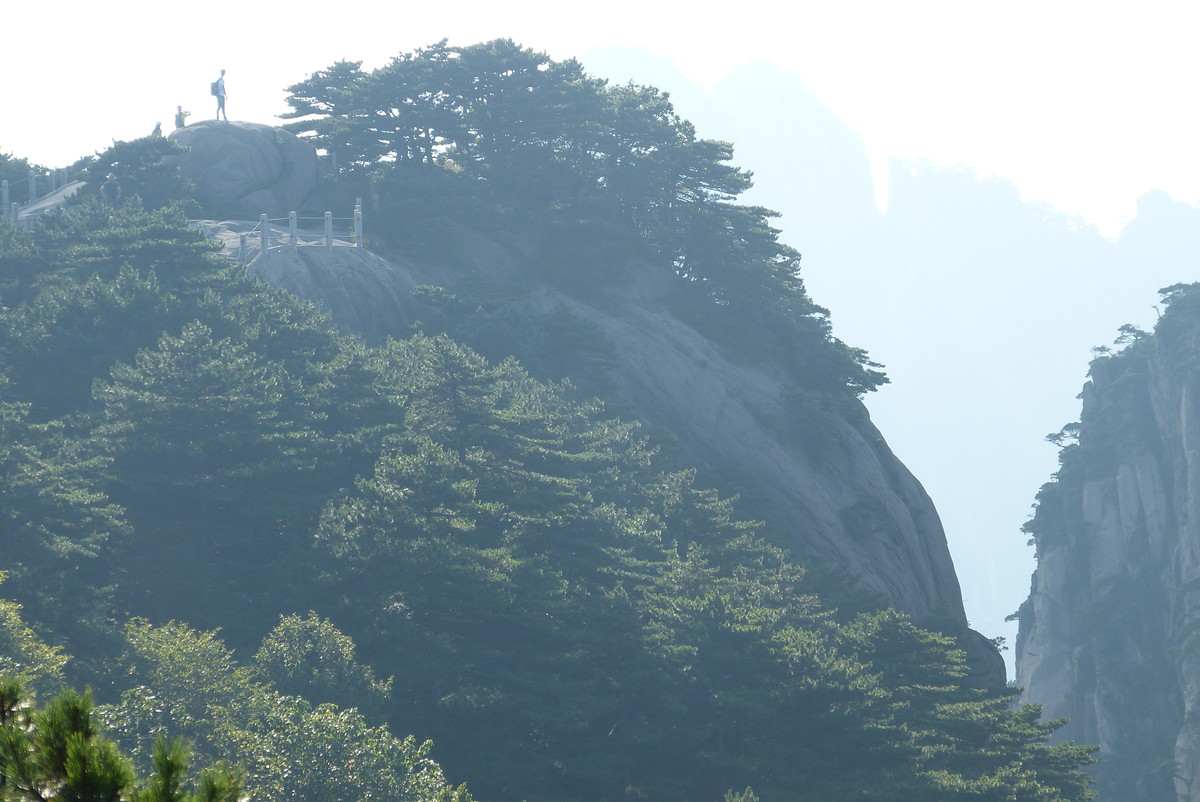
<point>37,180</point>
<point>271,235</point>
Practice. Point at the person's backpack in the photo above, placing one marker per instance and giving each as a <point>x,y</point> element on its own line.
<point>213,88</point>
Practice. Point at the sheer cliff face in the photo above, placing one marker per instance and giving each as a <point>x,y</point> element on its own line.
<point>828,478</point>
<point>1108,636</point>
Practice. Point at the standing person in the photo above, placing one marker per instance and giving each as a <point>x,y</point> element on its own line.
<point>219,91</point>
<point>110,191</point>
<point>181,117</point>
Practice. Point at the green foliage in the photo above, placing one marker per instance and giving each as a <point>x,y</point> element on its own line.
<point>965,742</point>
<point>169,762</point>
<point>310,657</point>
<point>13,169</point>
<point>489,535</point>
<point>246,419</point>
<point>92,289</point>
<point>25,659</point>
<point>58,752</point>
<point>1065,437</point>
<point>745,796</point>
<point>143,169</point>
<point>94,239</point>
<point>56,518</point>
<point>215,451</point>
<point>549,147</point>
<point>188,682</point>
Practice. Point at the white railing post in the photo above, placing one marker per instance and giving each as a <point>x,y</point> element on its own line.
<point>242,249</point>
<point>292,230</point>
<point>264,235</point>
<point>358,225</point>
<point>13,214</point>
<point>328,229</point>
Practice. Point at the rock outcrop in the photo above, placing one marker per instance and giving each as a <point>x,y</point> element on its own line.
<point>242,170</point>
<point>829,479</point>
<point>1108,636</point>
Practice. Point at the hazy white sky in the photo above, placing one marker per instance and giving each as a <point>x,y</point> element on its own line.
<point>1056,96</point>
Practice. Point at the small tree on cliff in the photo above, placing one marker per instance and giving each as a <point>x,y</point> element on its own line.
<point>139,166</point>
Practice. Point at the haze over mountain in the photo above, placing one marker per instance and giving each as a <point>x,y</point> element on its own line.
<point>559,601</point>
<point>983,308</point>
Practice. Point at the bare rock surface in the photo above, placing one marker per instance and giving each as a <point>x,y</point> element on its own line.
<point>242,169</point>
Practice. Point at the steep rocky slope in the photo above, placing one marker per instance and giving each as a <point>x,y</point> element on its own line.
<point>1108,634</point>
<point>826,477</point>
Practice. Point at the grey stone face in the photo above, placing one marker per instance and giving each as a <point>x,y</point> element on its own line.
<point>242,170</point>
